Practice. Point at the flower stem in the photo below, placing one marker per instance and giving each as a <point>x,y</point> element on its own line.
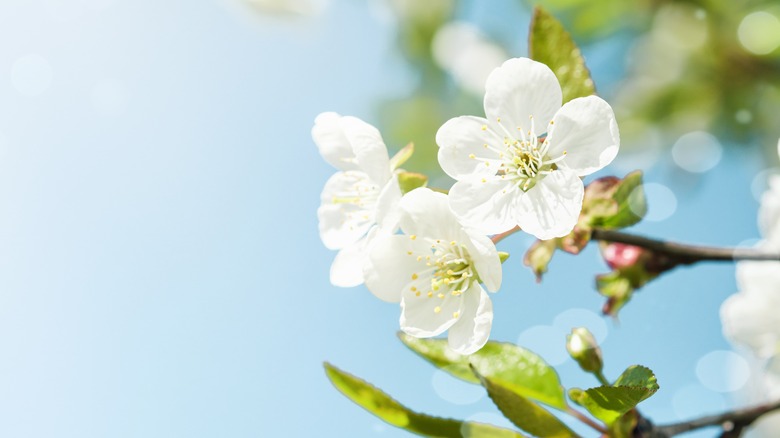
<point>499,237</point>
<point>683,253</point>
<point>580,416</point>
<point>603,380</point>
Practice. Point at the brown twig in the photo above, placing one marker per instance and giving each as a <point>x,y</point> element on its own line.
<point>580,416</point>
<point>732,423</point>
<point>682,253</point>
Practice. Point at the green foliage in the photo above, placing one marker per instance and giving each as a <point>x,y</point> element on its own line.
<point>409,181</point>
<point>550,44</point>
<point>610,403</point>
<point>523,413</point>
<point>611,203</point>
<point>387,409</point>
<point>515,368</point>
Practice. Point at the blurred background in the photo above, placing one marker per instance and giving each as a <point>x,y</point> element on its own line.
<point>161,274</point>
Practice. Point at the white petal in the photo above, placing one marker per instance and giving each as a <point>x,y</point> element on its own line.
<point>586,129</point>
<point>472,330</point>
<point>424,316</point>
<point>347,267</point>
<point>390,267</point>
<point>755,277</point>
<point>387,206</point>
<point>752,320</point>
<point>551,208</point>
<point>462,150</point>
<point>769,212</point>
<point>521,88</point>
<point>484,257</point>
<point>427,213</point>
<point>343,223</point>
<point>369,148</point>
<point>483,206</point>
<point>333,145</point>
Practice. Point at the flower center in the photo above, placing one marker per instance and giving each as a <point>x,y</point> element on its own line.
<point>445,270</point>
<point>524,159</point>
<point>360,195</point>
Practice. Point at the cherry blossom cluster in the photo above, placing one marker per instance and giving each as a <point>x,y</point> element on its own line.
<point>519,166</point>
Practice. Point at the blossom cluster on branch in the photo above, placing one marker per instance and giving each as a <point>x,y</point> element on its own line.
<point>520,166</point>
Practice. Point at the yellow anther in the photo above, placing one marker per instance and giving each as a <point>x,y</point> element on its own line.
<point>430,294</point>
<point>552,122</point>
<point>456,293</point>
<point>436,309</point>
<point>419,258</point>
<point>472,156</point>
<point>487,163</point>
<point>484,180</point>
<point>413,289</point>
<point>498,119</point>
<point>485,145</point>
<point>456,315</point>
<point>409,252</point>
<point>441,295</point>
<point>484,127</point>
<point>413,237</point>
<point>417,294</point>
<point>452,242</point>
<point>414,276</point>
<point>450,272</point>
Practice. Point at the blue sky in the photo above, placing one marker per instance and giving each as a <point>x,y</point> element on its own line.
<point>160,269</point>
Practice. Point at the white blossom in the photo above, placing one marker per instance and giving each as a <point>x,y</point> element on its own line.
<point>751,317</point>
<point>522,164</point>
<point>360,201</point>
<point>435,271</point>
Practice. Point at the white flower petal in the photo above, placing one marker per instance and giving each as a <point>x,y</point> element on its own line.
<point>752,320</point>
<point>347,267</point>
<point>343,223</point>
<point>462,147</point>
<point>390,267</point>
<point>551,208</point>
<point>333,145</point>
<point>586,129</point>
<point>518,89</point>
<point>756,278</point>
<point>427,213</point>
<point>369,148</point>
<point>424,316</point>
<point>472,330</point>
<point>387,206</point>
<point>483,206</point>
<point>484,257</point>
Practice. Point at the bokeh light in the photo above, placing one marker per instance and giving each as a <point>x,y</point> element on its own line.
<point>759,32</point>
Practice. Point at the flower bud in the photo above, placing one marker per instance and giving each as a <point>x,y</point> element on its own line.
<point>620,255</point>
<point>583,348</point>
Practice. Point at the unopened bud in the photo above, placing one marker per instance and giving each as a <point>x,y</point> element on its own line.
<point>583,348</point>
<point>620,255</point>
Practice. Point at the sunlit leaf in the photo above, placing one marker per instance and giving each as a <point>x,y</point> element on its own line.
<point>609,403</point>
<point>513,367</point>
<point>550,44</point>
<point>387,409</point>
<point>524,413</point>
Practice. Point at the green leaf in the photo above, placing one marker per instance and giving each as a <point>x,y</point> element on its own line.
<point>639,377</point>
<point>630,198</point>
<point>610,403</point>
<point>513,367</point>
<point>409,181</point>
<point>524,413</point>
<point>550,44</point>
<point>503,256</point>
<point>402,156</point>
<point>384,407</point>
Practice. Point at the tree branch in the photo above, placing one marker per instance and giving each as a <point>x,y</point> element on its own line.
<point>682,253</point>
<point>732,422</point>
